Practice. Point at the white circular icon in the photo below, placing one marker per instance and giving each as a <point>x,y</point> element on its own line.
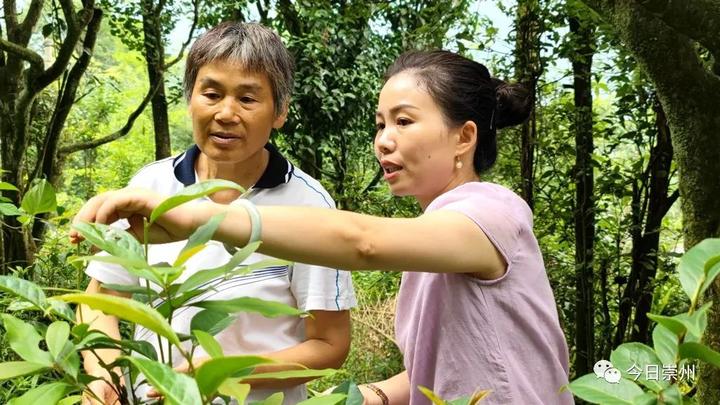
<point>600,367</point>
<point>612,375</point>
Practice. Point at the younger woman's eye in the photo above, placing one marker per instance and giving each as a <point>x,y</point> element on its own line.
<point>403,121</point>
<point>380,126</point>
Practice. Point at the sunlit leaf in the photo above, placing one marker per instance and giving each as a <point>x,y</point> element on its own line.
<point>25,290</point>
<point>665,343</point>
<point>270,309</point>
<point>331,399</point>
<point>45,394</point>
<point>202,277</point>
<point>598,391</point>
<point>7,186</point>
<point>208,343</point>
<point>436,400</point>
<point>351,390</point>
<point>24,340</point>
<point>284,374</point>
<point>274,399</point>
<point>114,241</point>
<point>197,240</point>
<point>213,372</point>
<point>232,388</point>
<point>56,336</point>
<point>14,369</point>
<point>39,199</point>
<point>193,192</point>
<point>691,269</point>
<point>9,210</point>
<point>628,354</point>
<point>127,309</point>
<point>176,388</point>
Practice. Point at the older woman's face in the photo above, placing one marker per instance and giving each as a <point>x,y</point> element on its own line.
<point>232,112</point>
<point>413,144</point>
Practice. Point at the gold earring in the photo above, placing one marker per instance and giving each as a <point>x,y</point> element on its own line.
<point>458,163</point>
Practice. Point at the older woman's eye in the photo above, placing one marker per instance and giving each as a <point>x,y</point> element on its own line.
<point>211,95</point>
<point>247,100</point>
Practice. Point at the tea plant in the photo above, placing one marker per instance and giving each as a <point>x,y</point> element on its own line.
<point>54,351</point>
<point>677,341</point>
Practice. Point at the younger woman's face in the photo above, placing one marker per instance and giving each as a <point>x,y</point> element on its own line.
<point>415,147</point>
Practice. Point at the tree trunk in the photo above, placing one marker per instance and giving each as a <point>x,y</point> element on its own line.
<point>528,69</point>
<point>154,52</point>
<point>583,38</point>
<point>663,42</point>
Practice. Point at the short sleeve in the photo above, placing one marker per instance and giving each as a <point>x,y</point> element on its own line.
<point>500,213</point>
<point>321,288</point>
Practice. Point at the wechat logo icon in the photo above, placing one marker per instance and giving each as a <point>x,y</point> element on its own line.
<point>605,370</point>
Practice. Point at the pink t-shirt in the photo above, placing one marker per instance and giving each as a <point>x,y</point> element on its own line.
<point>459,334</point>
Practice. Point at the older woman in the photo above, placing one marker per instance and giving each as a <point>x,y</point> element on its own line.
<point>238,79</point>
<point>475,309</point>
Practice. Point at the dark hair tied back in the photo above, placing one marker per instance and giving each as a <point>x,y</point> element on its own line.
<point>464,91</point>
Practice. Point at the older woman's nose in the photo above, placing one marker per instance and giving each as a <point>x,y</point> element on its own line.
<point>228,111</point>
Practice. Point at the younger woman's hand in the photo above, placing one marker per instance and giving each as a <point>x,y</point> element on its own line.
<point>135,204</point>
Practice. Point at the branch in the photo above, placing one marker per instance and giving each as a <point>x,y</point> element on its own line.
<point>196,12</point>
<point>77,147</point>
<point>23,53</point>
<point>25,29</point>
<point>11,21</point>
<point>290,15</point>
<point>698,19</point>
<point>75,29</point>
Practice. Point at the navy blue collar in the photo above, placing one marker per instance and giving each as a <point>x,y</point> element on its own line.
<point>277,172</point>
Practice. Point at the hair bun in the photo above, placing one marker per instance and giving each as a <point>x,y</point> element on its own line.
<point>513,103</point>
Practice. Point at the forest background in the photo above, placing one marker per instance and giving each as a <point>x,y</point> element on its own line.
<point>619,160</point>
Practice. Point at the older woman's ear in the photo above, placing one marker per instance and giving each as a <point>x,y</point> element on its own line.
<point>280,118</point>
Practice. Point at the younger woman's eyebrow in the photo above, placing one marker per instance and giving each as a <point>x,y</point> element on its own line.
<point>397,108</point>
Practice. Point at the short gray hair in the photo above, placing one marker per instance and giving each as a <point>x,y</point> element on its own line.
<point>250,45</point>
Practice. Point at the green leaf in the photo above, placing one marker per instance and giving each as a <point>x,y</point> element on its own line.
<point>56,336</point>
<point>691,269</point>
<point>692,325</point>
<point>24,341</point>
<point>351,390</point>
<point>665,343</point>
<point>116,242</point>
<point>212,322</point>
<point>331,399</point>
<point>25,290</point>
<point>39,199</point>
<point>198,239</point>
<point>648,398</point>
<point>61,309</point>
<point>671,396</point>
<point>204,276</point>
<point>213,372</point>
<point>281,375</point>
<point>208,343</point>
<point>232,388</point>
<point>627,355</point>
<point>7,186</point>
<point>270,309</point>
<point>98,340</point>
<point>274,399</point>
<point>436,400</point>
<point>14,369</point>
<point>694,350</point>
<point>193,192</point>
<point>176,388</point>
<point>69,360</point>
<point>71,400</point>
<point>44,394</point>
<point>127,309</point>
<point>134,266</point>
<point>474,399</point>
<point>598,391</point>
<point>130,288</point>
<point>9,210</point>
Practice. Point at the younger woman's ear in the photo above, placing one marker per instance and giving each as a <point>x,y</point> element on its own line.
<point>467,137</point>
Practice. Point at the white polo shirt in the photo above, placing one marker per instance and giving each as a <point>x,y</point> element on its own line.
<point>304,286</point>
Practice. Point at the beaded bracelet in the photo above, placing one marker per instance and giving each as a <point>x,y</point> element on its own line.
<point>374,388</point>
